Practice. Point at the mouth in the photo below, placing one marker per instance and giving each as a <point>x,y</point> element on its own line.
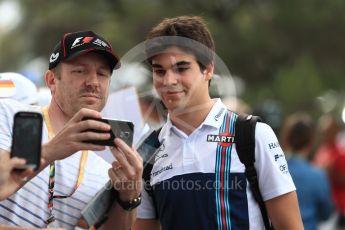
<point>90,95</point>
<point>172,93</point>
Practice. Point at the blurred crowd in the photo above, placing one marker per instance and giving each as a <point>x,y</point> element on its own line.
<point>18,87</point>
<point>315,152</point>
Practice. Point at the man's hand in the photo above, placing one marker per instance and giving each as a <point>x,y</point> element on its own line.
<point>73,135</point>
<point>126,172</point>
<point>10,179</point>
<point>126,176</point>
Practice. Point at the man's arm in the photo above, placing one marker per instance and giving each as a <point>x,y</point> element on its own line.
<point>119,218</point>
<point>146,224</point>
<point>68,141</point>
<point>126,176</point>
<point>284,212</point>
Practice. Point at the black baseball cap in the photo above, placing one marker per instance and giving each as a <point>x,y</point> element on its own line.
<point>77,43</point>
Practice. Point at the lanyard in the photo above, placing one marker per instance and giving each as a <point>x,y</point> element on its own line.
<point>80,178</point>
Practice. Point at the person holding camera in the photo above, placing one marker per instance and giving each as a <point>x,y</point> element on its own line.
<point>80,69</point>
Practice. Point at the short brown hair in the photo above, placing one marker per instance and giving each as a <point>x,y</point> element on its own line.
<point>199,40</point>
<point>57,71</point>
<point>298,132</point>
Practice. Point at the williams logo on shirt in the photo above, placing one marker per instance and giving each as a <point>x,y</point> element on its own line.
<point>219,114</point>
<point>224,139</point>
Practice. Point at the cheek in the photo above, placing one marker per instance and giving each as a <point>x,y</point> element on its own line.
<point>69,89</point>
<point>104,84</point>
<point>105,91</point>
<point>157,84</point>
<point>188,83</point>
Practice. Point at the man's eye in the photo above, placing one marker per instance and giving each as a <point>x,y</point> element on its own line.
<point>103,74</point>
<point>159,72</point>
<point>181,69</point>
<point>78,71</point>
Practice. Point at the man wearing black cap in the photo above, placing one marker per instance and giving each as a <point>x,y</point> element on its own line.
<point>79,74</point>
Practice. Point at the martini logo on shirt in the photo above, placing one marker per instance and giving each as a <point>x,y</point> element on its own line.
<point>224,139</point>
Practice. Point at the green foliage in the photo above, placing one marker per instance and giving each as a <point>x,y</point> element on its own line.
<point>302,76</point>
<point>291,51</point>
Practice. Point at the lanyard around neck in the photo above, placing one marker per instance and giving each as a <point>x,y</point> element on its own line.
<point>52,171</point>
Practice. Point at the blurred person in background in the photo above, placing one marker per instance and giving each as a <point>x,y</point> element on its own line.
<point>312,185</point>
<point>330,156</point>
<point>44,96</point>
<point>17,87</point>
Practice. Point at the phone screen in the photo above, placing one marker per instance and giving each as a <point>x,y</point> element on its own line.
<point>27,138</point>
<point>120,129</point>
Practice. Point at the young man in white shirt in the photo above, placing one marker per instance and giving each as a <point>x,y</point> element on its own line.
<point>197,179</point>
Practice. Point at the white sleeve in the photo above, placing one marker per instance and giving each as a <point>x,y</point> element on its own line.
<point>6,122</point>
<point>270,163</point>
<point>146,209</point>
<point>8,108</point>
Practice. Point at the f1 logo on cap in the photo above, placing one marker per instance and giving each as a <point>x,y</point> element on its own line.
<point>78,41</point>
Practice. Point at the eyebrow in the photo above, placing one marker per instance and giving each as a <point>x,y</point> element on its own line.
<point>156,66</point>
<point>181,63</point>
<point>177,64</point>
<point>78,64</point>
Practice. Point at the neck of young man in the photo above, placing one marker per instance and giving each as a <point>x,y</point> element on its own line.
<point>191,117</point>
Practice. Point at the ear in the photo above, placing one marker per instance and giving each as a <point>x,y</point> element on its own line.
<point>208,72</point>
<point>50,79</point>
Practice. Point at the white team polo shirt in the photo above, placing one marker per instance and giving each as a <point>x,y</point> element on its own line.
<point>188,173</point>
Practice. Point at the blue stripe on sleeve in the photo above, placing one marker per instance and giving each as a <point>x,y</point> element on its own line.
<point>33,193</point>
<point>25,209</point>
<point>24,219</point>
<point>32,203</point>
<point>8,220</point>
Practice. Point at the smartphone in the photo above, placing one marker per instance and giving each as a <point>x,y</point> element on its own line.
<point>27,138</point>
<point>148,146</point>
<point>119,128</point>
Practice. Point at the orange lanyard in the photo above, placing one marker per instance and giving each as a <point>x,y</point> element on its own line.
<point>80,178</point>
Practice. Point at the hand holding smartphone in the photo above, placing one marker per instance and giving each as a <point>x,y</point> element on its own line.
<point>120,129</point>
<point>27,138</point>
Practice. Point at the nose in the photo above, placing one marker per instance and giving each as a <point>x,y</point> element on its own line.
<point>170,78</point>
<point>91,79</point>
